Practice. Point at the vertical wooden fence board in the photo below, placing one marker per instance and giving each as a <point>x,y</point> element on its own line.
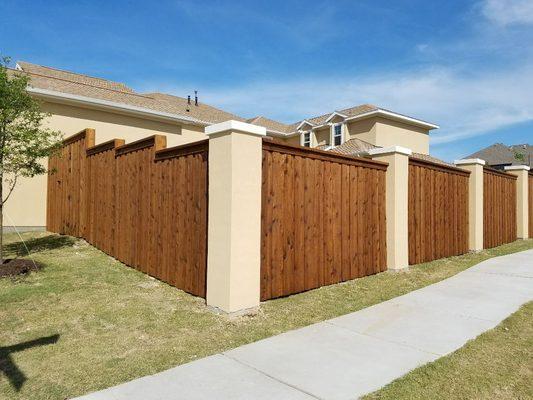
<point>322,219</point>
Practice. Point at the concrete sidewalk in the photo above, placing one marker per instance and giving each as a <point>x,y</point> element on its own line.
<point>355,354</point>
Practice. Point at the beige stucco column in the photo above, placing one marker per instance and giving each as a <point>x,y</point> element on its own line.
<point>522,199</point>
<point>396,203</point>
<point>234,227</point>
<point>475,201</point>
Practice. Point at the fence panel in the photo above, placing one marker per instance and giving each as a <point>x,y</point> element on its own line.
<point>141,203</point>
<point>67,186</point>
<point>499,208</point>
<point>179,217</point>
<point>438,211</point>
<point>530,204</point>
<point>322,219</point>
<point>101,200</point>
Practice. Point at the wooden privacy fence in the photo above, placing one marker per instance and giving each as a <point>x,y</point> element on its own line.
<point>499,208</point>
<point>322,219</point>
<point>66,198</point>
<point>530,203</point>
<point>437,211</point>
<point>141,203</point>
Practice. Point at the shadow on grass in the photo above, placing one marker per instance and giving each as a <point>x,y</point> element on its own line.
<point>15,376</point>
<point>35,245</point>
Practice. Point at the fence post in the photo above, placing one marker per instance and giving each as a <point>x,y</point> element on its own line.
<point>234,216</point>
<point>522,199</point>
<point>475,201</point>
<point>397,197</point>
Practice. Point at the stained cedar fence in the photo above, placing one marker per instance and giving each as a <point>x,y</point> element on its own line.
<point>530,185</point>
<point>66,198</point>
<point>437,211</point>
<point>141,203</point>
<point>322,220</point>
<point>499,208</point>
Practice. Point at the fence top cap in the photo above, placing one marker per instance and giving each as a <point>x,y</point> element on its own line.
<point>470,161</point>
<point>390,150</point>
<point>235,126</point>
<point>517,168</point>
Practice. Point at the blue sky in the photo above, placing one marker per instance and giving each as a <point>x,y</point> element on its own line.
<point>466,66</point>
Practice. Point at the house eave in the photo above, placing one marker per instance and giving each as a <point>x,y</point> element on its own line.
<point>67,98</point>
<point>394,116</point>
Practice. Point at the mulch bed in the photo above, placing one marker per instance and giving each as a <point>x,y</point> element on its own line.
<point>18,266</point>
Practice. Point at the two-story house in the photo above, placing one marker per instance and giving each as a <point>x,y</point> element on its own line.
<point>77,101</point>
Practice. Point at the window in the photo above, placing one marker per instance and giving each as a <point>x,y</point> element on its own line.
<point>306,140</point>
<point>337,135</point>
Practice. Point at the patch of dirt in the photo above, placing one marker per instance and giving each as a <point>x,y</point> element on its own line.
<point>18,266</point>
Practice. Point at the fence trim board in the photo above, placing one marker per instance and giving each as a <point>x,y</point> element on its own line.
<point>323,155</point>
<point>156,141</point>
<point>494,171</point>
<point>87,134</point>
<point>438,167</point>
<point>182,150</point>
<point>105,146</point>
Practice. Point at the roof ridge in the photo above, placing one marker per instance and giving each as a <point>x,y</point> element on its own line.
<point>70,72</point>
<point>162,94</point>
<point>84,84</point>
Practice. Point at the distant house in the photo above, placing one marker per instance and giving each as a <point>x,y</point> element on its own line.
<point>499,155</point>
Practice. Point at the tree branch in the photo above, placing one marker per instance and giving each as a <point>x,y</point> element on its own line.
<point>10,189</point>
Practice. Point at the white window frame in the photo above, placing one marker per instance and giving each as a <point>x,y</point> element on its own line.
<point>333,126</point>
<point>303,141</point>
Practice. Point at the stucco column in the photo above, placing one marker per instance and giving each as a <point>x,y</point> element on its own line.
<point>475,201</point>
<point>522,199</point>
<point>234,227</point>
<point>396,203</point>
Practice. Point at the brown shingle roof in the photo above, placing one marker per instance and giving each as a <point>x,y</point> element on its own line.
<point>100,89</point>
<point>427,157</point>
<point>498,154</point>
<point>353,147</point>
<point>72,77</point>
<point>270,124</point>
<point>349,112</point>
<point>358,147</point>
<point>202,111</point>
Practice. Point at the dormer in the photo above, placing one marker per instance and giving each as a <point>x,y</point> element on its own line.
<point>336,122</point>
<point>305,129</point>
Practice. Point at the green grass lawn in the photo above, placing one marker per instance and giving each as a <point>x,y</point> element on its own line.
<point>87,322</point>
<point>496,365</point>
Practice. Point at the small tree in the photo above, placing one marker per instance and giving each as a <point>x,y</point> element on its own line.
<point>519,156</point>
<point>24,141</point>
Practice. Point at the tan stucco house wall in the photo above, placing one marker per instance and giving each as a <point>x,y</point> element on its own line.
<point>387,132</point>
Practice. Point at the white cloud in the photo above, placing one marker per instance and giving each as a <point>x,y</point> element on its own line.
<point>508,12</point>
<point>489,96</point>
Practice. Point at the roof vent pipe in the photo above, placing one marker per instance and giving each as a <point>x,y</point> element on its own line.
<point>189,99</point>
<point>196,97</point>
